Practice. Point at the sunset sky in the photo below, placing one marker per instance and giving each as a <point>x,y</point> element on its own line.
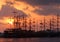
<point>30,8</point>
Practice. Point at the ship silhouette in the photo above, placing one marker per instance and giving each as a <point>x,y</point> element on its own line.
<point>18,32</point>
<point>21,31</point>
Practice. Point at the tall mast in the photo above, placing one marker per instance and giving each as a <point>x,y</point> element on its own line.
<point>30,24</point>
<point>37,26</point>
<point>44,24</point>
<point>19,21</point>
<point>50,25</point>
<point>57,22</point>
<point>25,23</point>
<point>41,25</point>
<point>10,20</point>
<point>14,19</point>
<point>34,24</point>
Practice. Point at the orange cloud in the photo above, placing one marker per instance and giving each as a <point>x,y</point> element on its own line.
<point>26,8</point>
<point>7,20</point>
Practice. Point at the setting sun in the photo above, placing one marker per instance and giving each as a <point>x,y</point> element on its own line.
<point>8,20</point>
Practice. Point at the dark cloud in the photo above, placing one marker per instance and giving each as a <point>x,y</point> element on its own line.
<point>47,10</point>
<point>49,6</point>
<point>41,2</point>
<point>8,10</point>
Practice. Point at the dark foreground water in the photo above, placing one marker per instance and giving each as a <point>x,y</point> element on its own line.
<point>29,39</point>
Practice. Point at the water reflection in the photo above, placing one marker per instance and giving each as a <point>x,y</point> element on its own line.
<point>17,40</point>
<point>29,39</point>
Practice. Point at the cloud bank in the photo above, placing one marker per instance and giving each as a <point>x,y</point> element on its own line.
<point>41,2</point>
<point>45,7</point>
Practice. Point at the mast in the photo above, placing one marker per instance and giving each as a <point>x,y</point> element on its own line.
<point>10,20</point>
<point>57,22</point>
<point>30,24</point>
<point>37,26</point>
<point>19,21</point>
<point>41,25</point>
<point>44,24</point>
<point>34,24</point>
<point>14,19</point>
<point>25,23</point>
<point>50,25</point>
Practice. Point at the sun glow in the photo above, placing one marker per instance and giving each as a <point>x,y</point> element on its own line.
<point>8,21</point>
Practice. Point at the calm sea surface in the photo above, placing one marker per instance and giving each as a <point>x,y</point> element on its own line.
<point>29,39</point>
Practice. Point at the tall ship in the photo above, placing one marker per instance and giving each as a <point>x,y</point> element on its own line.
<point>24,27</point>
